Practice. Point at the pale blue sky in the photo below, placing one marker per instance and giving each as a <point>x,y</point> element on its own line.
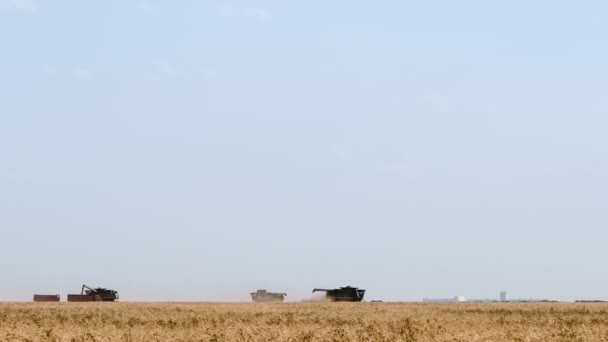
<point>197,150</point>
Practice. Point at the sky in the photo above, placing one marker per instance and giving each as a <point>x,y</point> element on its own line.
<point>199,150</point>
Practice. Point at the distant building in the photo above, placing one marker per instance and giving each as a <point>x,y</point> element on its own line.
<point>502,297</point>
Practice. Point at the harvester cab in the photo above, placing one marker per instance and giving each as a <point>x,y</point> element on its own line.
<point>106,295</point>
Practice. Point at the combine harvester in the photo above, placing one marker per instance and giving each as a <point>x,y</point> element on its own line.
<point>343,294</point>
<point>89,294</point>
<point>265,296</point>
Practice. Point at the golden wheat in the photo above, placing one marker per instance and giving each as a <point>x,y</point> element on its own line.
<point>302,322</point>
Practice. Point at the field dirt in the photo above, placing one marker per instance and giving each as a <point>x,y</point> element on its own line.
<point>303,322</point>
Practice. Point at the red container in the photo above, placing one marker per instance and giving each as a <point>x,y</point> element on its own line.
<point>46,298</point>
<point>83,298</point>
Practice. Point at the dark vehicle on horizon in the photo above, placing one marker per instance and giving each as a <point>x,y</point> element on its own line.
<point>106,295</point>
<point>343,294</point>
<point>265,296</point>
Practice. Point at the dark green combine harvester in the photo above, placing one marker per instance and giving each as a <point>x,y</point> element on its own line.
<point>343,294</point>
<point>106,295</point>
<point>265,296</point>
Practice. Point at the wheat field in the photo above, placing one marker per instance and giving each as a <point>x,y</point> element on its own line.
<point>303,322</point>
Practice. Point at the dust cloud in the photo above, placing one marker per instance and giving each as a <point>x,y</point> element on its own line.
<point>315,297</point>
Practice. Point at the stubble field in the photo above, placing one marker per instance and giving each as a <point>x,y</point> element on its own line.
<point>302,322</point>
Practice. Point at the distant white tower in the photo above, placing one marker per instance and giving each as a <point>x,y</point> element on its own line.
<point>503,296</point>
